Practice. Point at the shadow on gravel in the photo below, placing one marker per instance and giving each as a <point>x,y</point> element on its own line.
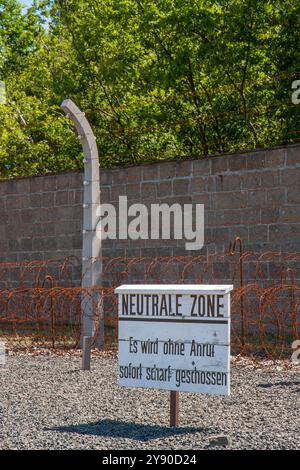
<point>139,432</point>
<point>280,384</point>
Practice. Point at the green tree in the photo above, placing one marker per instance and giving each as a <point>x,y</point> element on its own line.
<point>157,79</point>
<point>34,135</point>
<point>174,78</point>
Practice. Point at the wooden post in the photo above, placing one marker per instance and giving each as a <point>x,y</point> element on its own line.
<point>174,409</point>
<point>86,353</point>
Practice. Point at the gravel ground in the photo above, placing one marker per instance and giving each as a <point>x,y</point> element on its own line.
<point>49,403</point>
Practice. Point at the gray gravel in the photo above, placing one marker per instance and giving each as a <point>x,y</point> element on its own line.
<point>48,403</point>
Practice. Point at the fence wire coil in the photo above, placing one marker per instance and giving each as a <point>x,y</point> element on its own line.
<point>41,302</point>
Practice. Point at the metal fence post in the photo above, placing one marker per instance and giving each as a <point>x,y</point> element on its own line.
<point>86,353</point>
<point>92,325</point>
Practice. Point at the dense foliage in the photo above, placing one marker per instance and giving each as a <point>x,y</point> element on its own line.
<point>157,79</point>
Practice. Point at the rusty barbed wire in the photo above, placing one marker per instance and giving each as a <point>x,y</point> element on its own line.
<point>41,302</point>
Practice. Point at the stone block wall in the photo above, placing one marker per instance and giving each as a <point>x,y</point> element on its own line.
<point>254,195</point>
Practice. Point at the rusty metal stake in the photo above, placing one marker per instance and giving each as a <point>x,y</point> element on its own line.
<point>232,249</point>
<point>86,353</point>
<point>174,409</point>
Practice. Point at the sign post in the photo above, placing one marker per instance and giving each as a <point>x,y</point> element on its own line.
<point>175,337</point>
<point>174,409</point>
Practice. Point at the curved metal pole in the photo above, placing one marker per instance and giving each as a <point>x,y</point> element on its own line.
<point>91,244</point>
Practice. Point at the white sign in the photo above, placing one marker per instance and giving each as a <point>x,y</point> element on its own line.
<point>175,337</point>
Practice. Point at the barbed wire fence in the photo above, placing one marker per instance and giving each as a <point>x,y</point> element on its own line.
<point>41,302</point>
<point>268,116</point>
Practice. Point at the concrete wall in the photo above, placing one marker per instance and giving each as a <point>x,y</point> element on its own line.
<point>254,195</point>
